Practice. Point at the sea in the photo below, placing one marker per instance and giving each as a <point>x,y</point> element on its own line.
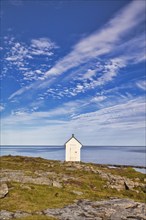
<point>114,155</point>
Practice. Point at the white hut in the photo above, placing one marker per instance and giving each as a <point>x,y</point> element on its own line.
<point>73,148</point>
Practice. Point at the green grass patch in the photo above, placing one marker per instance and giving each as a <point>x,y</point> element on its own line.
<point>36,198</point>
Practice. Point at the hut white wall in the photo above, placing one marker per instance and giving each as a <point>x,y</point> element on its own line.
<point>73,148</point>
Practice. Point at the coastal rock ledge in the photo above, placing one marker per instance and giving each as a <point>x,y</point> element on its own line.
<point>113,209</point>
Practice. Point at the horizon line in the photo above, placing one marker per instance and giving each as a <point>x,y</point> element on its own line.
<point>53,145</point>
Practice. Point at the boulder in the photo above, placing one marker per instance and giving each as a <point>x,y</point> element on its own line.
<point>56,184</point>
<point>25,187</point>
<point>6,215</point>
<point>77,192</point>
<point>3,190</point>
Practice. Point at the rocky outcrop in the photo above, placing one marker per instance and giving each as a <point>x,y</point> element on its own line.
<point>52,179</point>
<point>21,177</point>
<point>114,209</point>
<point>6,215</point>
<point>113,181</point>
<point>3,190</point>
<point>119,182</point>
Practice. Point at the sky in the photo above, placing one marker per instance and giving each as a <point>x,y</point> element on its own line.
<point>73,67</point>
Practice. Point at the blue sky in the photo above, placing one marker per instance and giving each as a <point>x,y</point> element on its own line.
<point>73,67</point>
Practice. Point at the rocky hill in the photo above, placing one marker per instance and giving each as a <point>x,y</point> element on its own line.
<point>35,188</point>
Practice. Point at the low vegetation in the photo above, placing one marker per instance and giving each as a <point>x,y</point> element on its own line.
<point>78,182</point>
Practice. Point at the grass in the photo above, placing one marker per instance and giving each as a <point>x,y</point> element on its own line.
<point>36,198</point>
<point>39,197</point>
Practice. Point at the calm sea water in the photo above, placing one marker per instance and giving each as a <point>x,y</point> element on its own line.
<point>135,156</point>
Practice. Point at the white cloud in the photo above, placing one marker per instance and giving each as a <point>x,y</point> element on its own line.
<point>42,46</point>
<point>19,53</point>
<point>89,74</point>
<point>108,55</point>
<point>38,71</point>
<point>89,80</point>
<point>43,117</point>
<point>19,57</point>
<point>109,70</point>
<point>19,92</point>
<point>19,50</point>
<point>141,84</point>
<point>34,75</point>
<point>122,124</point>
<point>98,98</point>
<point>126,117</point>
<point>42,43</point>
<point>97,45</point>
<point>132,51</point>
<point>131,109</point>
<point>2,108</point>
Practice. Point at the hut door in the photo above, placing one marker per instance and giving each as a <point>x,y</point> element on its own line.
<point>73,154</point>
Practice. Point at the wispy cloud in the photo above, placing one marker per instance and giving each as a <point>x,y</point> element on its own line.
<point>2,107</point>
<point>117,115</point>
<point>141,84</point>
<point>98,43</point>
<point>19,92</point>
<point>115,120</point>
<point>97,46</point>
<point>30,116</point>
<point>126,109</point>
<point>95,90</point>
<point>103,73</point>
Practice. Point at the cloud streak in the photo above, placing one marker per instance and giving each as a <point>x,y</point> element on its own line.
<point>124,117</point>
<point>2,108</point>
<point>97,45</point>
<point>142,84</point>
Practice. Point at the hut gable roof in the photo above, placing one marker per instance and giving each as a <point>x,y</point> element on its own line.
<point>74,138</point>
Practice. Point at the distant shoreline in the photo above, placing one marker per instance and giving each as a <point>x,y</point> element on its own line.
<point>121,166</point>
